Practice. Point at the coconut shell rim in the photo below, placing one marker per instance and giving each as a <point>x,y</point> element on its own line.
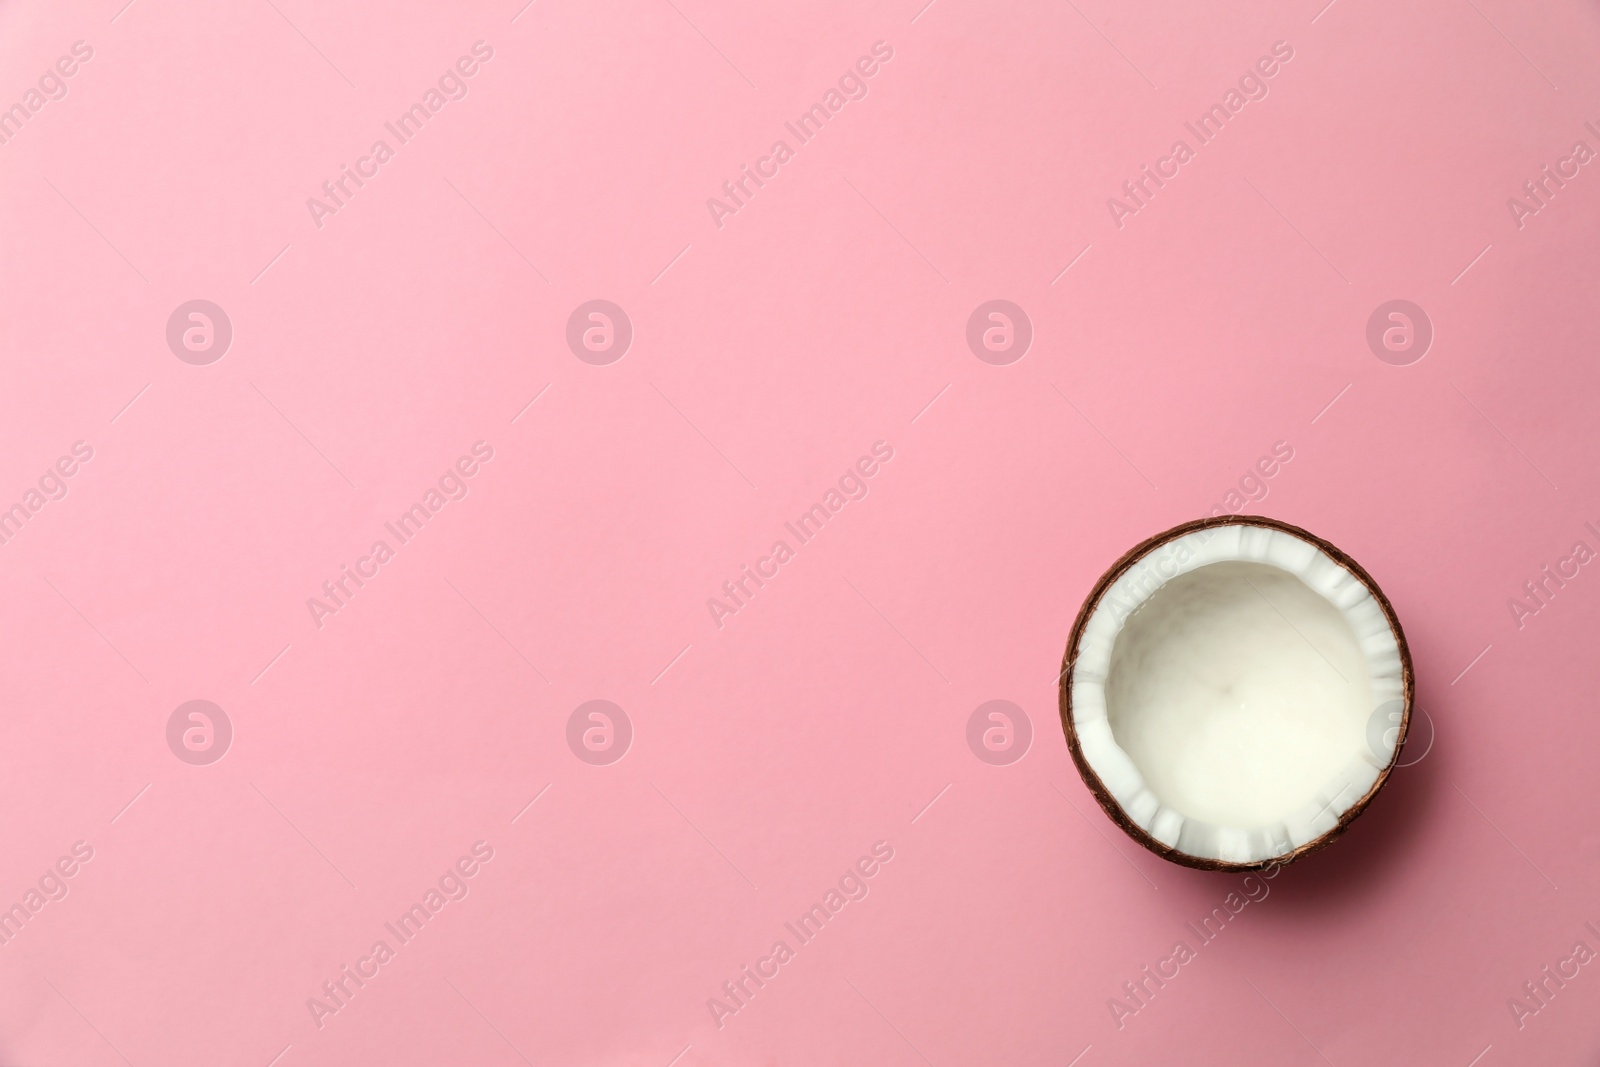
<point>1103,795</point>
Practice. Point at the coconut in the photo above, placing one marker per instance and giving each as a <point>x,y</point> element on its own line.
<point>1235,691</point>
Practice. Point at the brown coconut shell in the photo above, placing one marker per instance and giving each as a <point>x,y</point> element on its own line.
<point>1098,788</point>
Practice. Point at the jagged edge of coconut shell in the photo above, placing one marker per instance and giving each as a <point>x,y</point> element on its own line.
<point>1103,795</point>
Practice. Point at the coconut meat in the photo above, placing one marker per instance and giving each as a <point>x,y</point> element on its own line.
<point>1224,688</point>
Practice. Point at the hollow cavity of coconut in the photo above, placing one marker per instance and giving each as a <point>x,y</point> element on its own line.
<point>1235,691</point>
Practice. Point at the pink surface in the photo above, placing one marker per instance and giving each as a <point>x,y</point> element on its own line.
<point>407,343</point>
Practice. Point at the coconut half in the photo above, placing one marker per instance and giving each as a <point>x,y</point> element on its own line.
<point>1235,691</point>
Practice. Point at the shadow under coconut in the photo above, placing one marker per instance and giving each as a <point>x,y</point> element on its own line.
<point>1344,875</point>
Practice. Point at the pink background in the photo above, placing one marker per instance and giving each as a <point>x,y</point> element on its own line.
<point>769,354</point>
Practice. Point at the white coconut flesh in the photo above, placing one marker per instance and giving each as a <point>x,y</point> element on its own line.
<point>1224,688</point>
